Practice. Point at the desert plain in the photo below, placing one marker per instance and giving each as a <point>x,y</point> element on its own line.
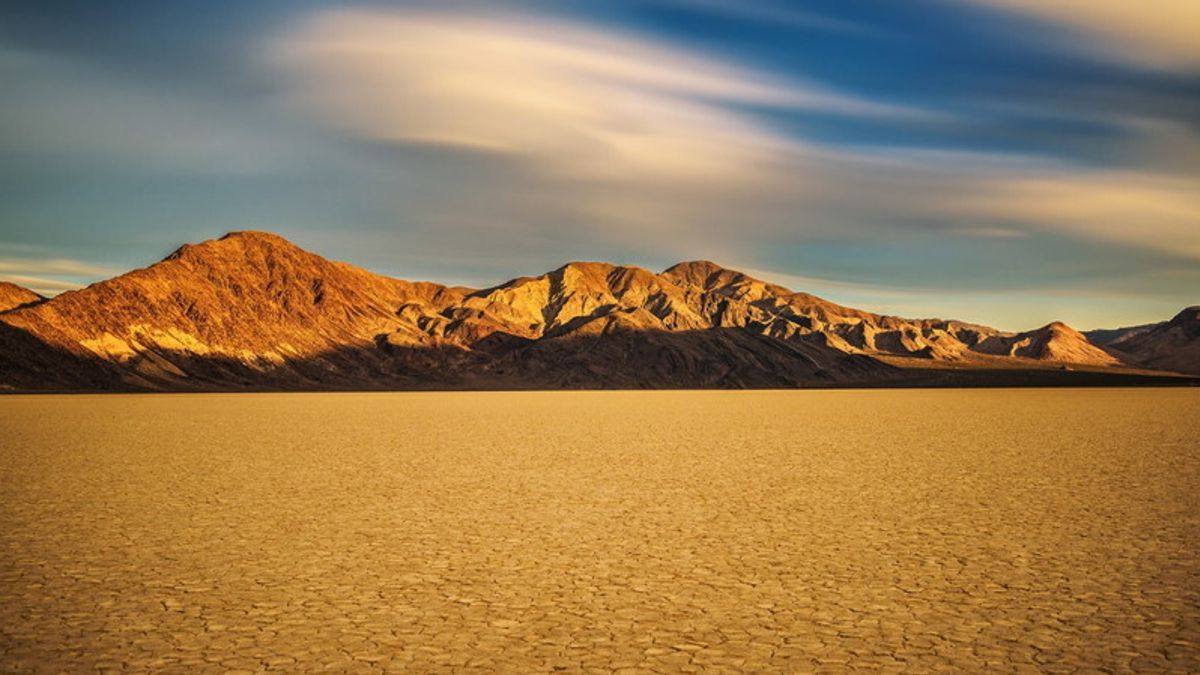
<point>1051,530</point>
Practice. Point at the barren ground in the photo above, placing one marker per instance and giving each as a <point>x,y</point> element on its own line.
<point>659,531</point>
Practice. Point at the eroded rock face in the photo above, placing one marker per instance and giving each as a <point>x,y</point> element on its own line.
<point>251,310</point>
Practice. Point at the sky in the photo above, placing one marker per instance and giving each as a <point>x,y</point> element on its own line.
<point>1007,162</point>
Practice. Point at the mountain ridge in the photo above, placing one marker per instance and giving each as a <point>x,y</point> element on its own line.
<point>252,310</point>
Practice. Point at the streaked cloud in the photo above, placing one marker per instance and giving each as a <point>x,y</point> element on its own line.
<point>882,156</point>
<point>1153,32</point>
<point>42,285</point>
<point>605,139</point>
<point>598,104</point>
<point>777,14</point>
<point>50,276</point>
<point>1135,209</point>
<point>52,266</point>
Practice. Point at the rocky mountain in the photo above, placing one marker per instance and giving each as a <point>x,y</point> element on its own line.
<point>252,311</point>
<point>1170,345</point>
<point>12,296</point>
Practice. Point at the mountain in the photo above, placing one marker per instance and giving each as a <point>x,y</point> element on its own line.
<point>1170,345</point>
<point>12,296</point>
<point>1055,342</point>
<point>227,312</point>
<point>253,311</point>
<point>1102,337</point>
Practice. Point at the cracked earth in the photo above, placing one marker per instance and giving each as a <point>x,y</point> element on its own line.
<point>1049,530</point>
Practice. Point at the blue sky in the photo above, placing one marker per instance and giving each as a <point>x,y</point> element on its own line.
<point>1002,161</point>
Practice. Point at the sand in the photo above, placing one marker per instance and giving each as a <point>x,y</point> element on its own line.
<point>601,531</point>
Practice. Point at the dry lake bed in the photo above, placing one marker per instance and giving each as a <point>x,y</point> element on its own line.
<point>1051,530</point>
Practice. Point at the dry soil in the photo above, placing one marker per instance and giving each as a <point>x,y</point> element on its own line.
<point>1053,530</point>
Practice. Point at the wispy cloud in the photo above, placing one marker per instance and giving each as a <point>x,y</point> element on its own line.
<point>597,104</point>
<point>1155,32</point>
<point>50,276</point>
<point>1135,209</point>
<point>867,153</point>
<point>42,285</point>
<point>52,266</point>
<point>777,14</point>
<point>615,142</point>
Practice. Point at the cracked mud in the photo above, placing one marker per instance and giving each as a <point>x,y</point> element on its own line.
<point>1051,530</point>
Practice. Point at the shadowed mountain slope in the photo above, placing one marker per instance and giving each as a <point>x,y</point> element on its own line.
<point>1170,345</point>
<point>1102,337</point>
<point>251,310</point>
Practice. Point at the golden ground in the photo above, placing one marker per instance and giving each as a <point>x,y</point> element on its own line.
<point>664,531</point>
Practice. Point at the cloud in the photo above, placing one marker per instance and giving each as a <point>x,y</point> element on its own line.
<point>776,14</point>
<point>52,266</point>
<point>1135,209</point>
<point>1161,33</point>
<point>552,132</point>
<point>41,285</point>
<point>1005,196</point>
<point>49,276</point>
<point>597,105</point>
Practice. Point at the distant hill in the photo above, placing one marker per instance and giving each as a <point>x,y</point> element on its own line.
<point>1055,342</point>
<point>1170,345</point>
<point>253,311</point>
<point>1105,336</point>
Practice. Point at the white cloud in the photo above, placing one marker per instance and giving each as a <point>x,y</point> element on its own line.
<point>580,101</point>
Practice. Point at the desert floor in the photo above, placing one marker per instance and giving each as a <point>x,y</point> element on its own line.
<point>660,531</point>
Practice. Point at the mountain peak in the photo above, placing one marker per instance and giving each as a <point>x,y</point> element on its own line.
<point>705,267</point>
<point>587,267</point>
<point>697,272</point>
<point>1056,326</point>
<point>240,239</point>
<point>1056,341</point>
<point>1188,321</point>
<point>256,237</point>
<point>13,296</point>
<point>1187,315</point>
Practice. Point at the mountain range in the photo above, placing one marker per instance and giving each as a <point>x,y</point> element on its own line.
<point>251,311</point>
